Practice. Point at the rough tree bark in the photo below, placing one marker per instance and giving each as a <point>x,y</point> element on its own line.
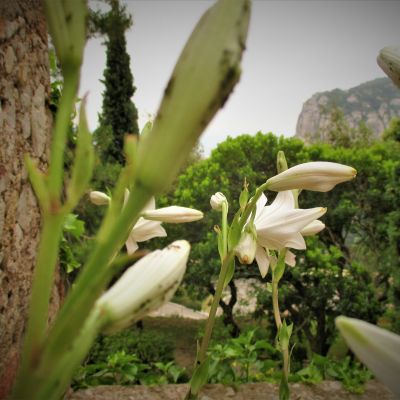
<point>25,122</point>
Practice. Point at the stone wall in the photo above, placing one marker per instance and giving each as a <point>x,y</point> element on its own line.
<point>25,123</point>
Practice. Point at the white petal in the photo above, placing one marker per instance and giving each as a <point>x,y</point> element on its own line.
<point>281,229</point>
<point>131,245</point>
<point>313,228</point>
<point>261,202</point>
<point>145,230</point>
<point>173,214</point>
<point>378,348</point>
<point>290,258</point>
<point>263,260</point>
<point>284,201</point>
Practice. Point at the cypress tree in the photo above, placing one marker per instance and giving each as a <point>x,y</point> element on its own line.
<point>119,114</point>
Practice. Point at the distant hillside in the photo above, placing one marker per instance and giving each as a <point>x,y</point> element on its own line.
<point>375,102</point>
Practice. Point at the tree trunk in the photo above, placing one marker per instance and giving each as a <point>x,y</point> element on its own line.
<point>25,123</point>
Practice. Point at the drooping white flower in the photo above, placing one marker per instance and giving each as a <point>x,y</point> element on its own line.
<point>145,286</point>
<point>320,176</point>
<point>279,226</point>
<point>99,198</point>
<point>216,201</point>
<point>144,229</point>
<point>377,348</point>
<point>173,214</point>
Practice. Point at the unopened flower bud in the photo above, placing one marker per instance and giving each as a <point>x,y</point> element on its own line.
<point>99,198</point>
<point>320,176</point>
<point>389,61</point>
<point>173,214</point>
<point>246,248</point>
<point>377,348</point>
<point>209,66</point>
<point>216,201</point>
<point>145,286</point>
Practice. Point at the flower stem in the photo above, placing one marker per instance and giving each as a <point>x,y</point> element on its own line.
<point>284,350</point>
<point>92,280</point>
<point>62,124</point>
<point>52,219</point>
<point>227,259</point>
<point>43,278</point>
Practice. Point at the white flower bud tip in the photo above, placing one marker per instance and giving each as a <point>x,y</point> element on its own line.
<point>313,228</point>
<point>145,286</point>
<point>216,201</point>
<point>246,248</point>
<point>377,348</point>
<point>320,176</point>
<point>99,198</point>
<point>173,214</point>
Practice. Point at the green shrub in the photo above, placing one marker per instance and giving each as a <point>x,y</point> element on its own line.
<point>149,346</point>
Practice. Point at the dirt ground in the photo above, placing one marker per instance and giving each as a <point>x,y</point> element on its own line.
<point>327,390</point>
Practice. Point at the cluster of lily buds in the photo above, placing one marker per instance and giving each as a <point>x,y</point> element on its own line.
<point>144,287</point>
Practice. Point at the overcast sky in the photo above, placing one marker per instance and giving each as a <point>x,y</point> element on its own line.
<point>294,49</point>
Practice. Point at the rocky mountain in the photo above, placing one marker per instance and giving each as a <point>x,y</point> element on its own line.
<point>374,103</point>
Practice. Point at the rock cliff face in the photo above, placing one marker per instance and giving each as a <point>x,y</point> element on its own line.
<point>374,103</point>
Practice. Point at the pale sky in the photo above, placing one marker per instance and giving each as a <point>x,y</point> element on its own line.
<point>294,49</point>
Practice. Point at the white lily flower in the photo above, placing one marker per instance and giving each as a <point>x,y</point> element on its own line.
<point>216,201</point>
<point>145,286</point>
<point>377,348</point>
<point>144,229</point>
<point>313,228</point>
<point>320,176</point>
<point>279,226</point>
<point>173,214</point>
<point>99,198</point>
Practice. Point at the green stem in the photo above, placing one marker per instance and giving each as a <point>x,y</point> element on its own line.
<point>224,225</point>
<point>227,259</point>
<point>62,124</point>
<point>94,277</point>
<point>278,322</point>
<point>275,305</point>
<point>56,383</point>
<point>213,310</point>
<point>43,280</point>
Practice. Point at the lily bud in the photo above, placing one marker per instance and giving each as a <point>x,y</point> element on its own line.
<point>313,228</point>
<point>377,348</point>
<point>216,201</point>
<point>389,61</point>
<point>144,287</point>
<point>202,80</point>
<point>319,176</point>
<point>246,248</point>
<point>173,214</point>
<point>99,198</point>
